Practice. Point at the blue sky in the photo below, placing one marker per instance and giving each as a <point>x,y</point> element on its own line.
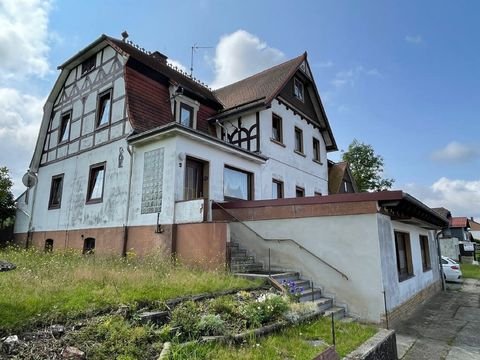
<point>401,76</point>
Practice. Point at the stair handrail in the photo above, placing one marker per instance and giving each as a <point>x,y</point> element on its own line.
<point>282,240</point>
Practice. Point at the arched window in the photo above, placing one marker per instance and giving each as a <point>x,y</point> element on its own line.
<point>89,246</point>
<point>48,245</point>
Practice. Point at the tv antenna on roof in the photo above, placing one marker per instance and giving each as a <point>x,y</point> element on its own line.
<point>195,47</point>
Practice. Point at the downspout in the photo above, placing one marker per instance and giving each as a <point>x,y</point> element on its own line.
<point>130,150</point>
<point>442,275</point>
<point>30,222</point>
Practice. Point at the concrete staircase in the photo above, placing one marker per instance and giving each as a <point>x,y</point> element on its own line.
<point>243,264</point>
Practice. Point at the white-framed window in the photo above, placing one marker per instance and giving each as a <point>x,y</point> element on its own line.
<point>298,89</point>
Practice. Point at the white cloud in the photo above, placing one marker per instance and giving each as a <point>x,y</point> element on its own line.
<point>461,197</point>
<point>350,76</point>
<point>24,49</point>
<point>325,64</point>
<point>19,124</point>
<point>178,65</point>
<point>455,151</point>
<point>414,39</point>
<point>23,38</point>
<point>241,54</point>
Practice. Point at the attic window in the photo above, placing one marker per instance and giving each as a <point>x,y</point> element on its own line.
<point>298,89</point>
<point>65,127</point>
<point>104,107</point>
<point>186,115</point>
<point>89,64</point>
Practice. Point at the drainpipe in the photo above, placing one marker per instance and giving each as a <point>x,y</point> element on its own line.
<point>30,222</point>
<point>130,150</point>
<point>442,275</point>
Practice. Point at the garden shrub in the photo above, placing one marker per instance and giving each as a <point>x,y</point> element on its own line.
<point>210,324</point>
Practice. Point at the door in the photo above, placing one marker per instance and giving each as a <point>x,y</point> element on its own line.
<point>193,179</point>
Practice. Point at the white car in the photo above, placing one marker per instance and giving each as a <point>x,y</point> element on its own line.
<point>451,269</point>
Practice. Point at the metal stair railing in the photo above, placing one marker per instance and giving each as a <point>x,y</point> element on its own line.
<point>282,240</point>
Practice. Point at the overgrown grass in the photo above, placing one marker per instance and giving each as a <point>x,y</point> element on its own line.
<point>48,287</point>
<point>470,271</point>
<point>291,343</point>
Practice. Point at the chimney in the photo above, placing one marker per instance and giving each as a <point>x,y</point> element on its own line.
<point>159,56</point>
<point>471,218</point>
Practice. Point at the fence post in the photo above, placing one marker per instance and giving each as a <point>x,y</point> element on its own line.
<point>333,330</point>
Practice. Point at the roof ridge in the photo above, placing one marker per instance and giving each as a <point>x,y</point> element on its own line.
<point>174,68</point>
<point>260,73</point>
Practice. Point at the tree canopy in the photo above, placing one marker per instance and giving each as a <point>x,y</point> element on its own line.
<point>7,203</point>
<point>366,167</point>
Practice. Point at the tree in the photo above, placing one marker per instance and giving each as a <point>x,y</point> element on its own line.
<point>366,167</point>
<point>7,203</point>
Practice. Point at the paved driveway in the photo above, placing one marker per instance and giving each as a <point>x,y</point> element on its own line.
<point>446,327</point>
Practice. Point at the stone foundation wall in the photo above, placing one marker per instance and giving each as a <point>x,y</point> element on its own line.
<point>141,240</point>
<point>405,309</point>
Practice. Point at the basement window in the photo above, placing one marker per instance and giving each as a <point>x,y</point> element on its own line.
<point>104,106</point>
<point>89,246</point>
<point>426,264</point>
<point>55,199</point>
<point>49,245</point>
<point>96,181</point>
<point>404,255</point>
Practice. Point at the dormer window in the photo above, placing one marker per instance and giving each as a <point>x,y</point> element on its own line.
<point>186,115</point>
<point>298,89</point>
<point>89,64</point>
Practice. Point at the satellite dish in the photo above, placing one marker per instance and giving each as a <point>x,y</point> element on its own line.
<point>29,179</point>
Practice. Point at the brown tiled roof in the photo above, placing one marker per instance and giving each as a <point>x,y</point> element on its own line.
<point>443,212</point>
<point>166,70</point>
<point>264,85</point>
<point>336,172</point>
<point>459,222</point>
<point>474,226</point>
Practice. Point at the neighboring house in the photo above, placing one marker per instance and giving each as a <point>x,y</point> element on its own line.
<point>129,146</point>
<point>340,179</point>
<point>475,229</point>
<point>132,153</point>
<point>459,227</point>
<point>449,245</point>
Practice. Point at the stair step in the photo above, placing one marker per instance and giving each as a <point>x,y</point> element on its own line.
<point>288,276</point>
<point>338,312</point>
<point>238,252</point>
<point>310,295</point>
<point>246,267</point>
<point>242,260</point>
<point>324,303</point>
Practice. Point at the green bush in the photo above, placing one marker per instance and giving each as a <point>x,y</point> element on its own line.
<point>186,316</point>
<point>265,310</point>
<point>114,338</point>
<point>211,325</point>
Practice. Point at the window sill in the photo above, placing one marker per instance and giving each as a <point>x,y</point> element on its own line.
<point>277,142</point>
<point>402,279</point>
<point>99,127</point>
<point>427,269</point>
<point>93,201</point>
<point>317,161</point>
<point>299,153</point>
<point>88,72</point>
<point>54,207</point>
